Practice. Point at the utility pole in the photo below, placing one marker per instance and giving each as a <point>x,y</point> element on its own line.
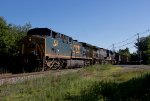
<point>139,52</point>
<point>113,47</point>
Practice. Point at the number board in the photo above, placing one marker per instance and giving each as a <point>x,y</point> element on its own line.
<point>76,49</point>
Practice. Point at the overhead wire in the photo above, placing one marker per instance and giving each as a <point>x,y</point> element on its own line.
<point>126,44</point>
<point>144,32</point>
<point>126,40</point>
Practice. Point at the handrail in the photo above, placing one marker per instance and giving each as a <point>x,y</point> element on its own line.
<point>41,50</point>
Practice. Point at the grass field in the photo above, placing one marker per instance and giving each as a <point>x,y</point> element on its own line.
<point>94,83</point>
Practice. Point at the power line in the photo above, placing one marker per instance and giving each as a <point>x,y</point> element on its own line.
<point>132,47</point>
<point>131,37</point>
<point>135,35</point>
<point>126,39</point>
<point>139,51</point>
<point>144,32</point>
<point>126,44</point>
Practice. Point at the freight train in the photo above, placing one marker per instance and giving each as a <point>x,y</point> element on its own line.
<point>44,49</point>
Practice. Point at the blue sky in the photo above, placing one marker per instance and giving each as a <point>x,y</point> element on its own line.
<point>98,22</point>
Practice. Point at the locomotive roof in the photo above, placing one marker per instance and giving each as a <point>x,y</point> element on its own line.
<point>47,31</point>
<point>39,31</point>
<point>42,31</point>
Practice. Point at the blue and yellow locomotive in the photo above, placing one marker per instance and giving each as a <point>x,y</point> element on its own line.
<point>46,49</point>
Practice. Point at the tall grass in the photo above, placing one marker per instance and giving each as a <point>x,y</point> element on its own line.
<point>94,83</point>
<point>136,89</point>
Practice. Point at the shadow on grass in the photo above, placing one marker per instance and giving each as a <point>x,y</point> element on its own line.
<point>136,89</point>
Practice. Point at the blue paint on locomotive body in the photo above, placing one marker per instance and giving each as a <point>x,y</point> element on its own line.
<point>57,46</point>
<point>83,51</point>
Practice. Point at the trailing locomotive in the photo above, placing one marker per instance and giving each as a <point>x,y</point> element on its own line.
<point>44,49</point>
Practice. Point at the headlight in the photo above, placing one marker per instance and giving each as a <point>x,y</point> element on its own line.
<point>30,39</point>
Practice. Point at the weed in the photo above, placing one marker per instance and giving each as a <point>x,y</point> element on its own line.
<point>94,83</point>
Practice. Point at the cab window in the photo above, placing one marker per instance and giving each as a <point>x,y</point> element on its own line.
<point>54,34</point>
<point>70,40</point>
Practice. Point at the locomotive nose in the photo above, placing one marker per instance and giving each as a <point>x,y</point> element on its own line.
<point>33,45</point>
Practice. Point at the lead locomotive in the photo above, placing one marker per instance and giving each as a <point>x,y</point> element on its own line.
<point>44,49</point>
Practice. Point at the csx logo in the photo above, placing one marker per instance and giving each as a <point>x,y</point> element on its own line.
<point>55,43</point>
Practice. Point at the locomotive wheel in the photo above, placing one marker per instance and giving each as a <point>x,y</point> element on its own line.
<point>53,65</point>
<point>87,63</point>
<point>61,65</point>
<point>56,65</point>
<point>49,65</point>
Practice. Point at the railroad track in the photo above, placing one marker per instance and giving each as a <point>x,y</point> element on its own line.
<point>15,78</point>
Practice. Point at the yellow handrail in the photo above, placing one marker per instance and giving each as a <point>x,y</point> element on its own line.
<point>41,50</point>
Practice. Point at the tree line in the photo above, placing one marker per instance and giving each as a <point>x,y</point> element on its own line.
<point>10,36</point>
<point>141,56</point>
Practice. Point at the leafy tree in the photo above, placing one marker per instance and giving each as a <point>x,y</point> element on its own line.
<point>134,57</point>
<point>125,55</point>
<point>10,35</point>
<point>144,48</point>
<point>3,31</point>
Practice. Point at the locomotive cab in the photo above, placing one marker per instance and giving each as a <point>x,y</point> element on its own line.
<point>32,47</point>
<point>34,42</point>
